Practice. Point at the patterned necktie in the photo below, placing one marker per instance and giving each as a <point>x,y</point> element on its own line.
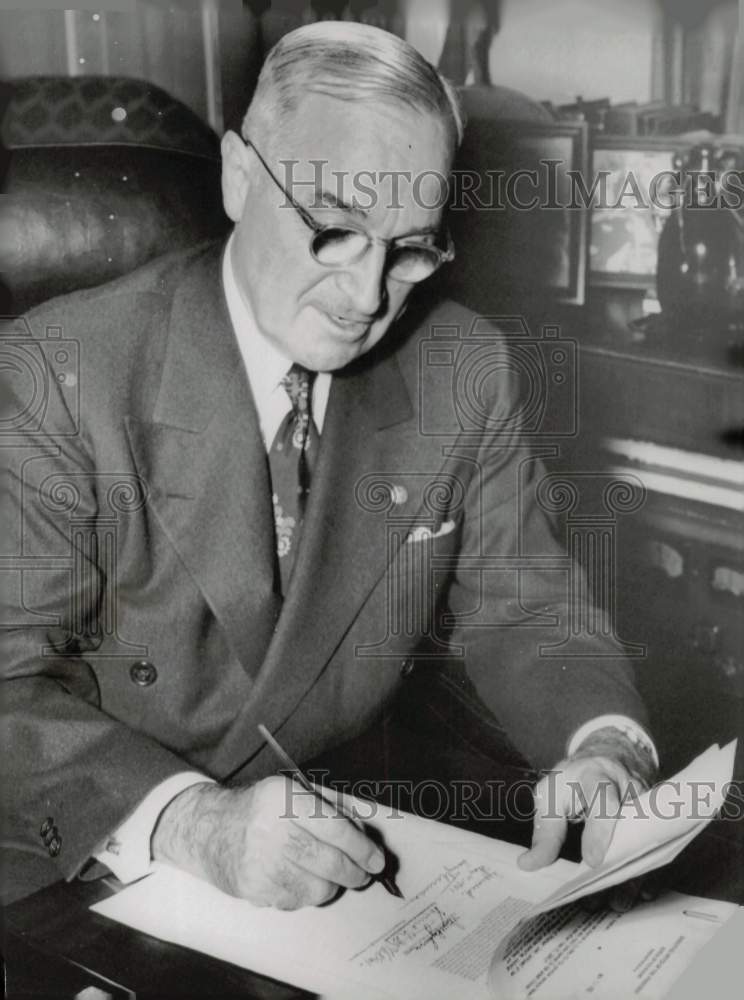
<point>291,461</point>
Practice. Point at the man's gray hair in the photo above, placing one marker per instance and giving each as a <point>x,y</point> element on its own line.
<point>351,62</point>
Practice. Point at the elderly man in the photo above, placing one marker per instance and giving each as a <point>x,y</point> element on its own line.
<point>296,486</point>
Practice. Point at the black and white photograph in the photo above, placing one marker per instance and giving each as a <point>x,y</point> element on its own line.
<point>624,245</point>
<point>372,436</point>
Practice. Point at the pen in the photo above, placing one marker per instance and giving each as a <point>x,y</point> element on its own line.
<point>387,880</point>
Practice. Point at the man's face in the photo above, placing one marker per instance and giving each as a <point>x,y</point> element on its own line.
<point>325,317</point>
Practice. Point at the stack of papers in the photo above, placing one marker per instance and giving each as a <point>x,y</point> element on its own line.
<point>472,925</point>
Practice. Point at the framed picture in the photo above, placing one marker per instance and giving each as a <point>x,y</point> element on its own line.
<point>634,184</point>
<point>517,228</point>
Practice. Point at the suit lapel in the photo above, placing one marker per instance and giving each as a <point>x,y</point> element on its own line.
<point>204,460</point>
<point>205,464</point>
<point>343,552</point>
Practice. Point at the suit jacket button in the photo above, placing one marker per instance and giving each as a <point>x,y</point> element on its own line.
<point>406,667</point>
<point>54,846</point>
<point>46,826</point>
<point>143,673</point>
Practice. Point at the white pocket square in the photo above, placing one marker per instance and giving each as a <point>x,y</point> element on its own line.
<point>421,533</point>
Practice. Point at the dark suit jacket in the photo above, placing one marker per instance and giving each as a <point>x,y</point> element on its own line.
<point>148,635</point>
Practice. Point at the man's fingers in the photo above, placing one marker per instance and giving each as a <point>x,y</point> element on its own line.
<point>278,845</point>
<point>295,887</point>
<point>342,802</point>
<point>547,839</point>
<point>323,860</point>
<point>585,789</point>
<point>599,826</point>
<point>594,902</point>
<point>548,831</point>
<point>653,884</point>
<point>624,896</point>
<point>323,822</point>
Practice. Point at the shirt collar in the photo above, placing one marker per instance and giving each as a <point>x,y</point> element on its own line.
<point>264,363</point>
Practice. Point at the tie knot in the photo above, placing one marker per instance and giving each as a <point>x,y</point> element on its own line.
<point>298,383</point>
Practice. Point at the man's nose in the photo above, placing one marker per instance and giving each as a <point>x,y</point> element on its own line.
<point>364,281</point>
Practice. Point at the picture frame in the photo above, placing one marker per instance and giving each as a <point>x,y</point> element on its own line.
<point>624,238</point>
<point>541,249</point>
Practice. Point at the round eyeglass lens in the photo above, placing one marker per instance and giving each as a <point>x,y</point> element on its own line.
<point>412,263</point>
<point>336,245</point>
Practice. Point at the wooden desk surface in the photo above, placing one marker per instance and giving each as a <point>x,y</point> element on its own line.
<point>55,946</point>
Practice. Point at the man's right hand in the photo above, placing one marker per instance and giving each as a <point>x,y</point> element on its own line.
<point>272,843</point>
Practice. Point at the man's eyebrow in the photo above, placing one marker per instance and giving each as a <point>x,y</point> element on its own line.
<point>327,199</point>
<point>424,231</point>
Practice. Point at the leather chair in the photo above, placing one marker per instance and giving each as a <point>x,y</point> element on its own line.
<point>101,175</point>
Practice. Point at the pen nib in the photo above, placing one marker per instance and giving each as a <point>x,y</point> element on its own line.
<point>392,888</point>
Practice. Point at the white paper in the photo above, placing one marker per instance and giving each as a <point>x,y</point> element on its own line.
<point>570,954</point>
<point>364,941</point>
<point>464,896</point>
<point>652,831</point>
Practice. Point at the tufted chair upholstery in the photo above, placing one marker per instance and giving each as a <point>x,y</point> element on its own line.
<point>102,174</point>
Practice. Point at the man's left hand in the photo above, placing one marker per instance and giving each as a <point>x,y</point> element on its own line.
<point>588,788</point>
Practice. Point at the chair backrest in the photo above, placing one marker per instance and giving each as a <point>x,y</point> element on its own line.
<point>102,174</point>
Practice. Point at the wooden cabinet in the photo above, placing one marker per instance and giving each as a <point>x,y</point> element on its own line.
<point>695,406</point>
<point>670,411</point>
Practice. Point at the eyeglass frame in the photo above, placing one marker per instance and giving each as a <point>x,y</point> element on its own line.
<point>444,256</point>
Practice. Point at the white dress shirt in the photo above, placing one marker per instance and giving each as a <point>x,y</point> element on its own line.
<point>127,850</point>
<point>264,362</point>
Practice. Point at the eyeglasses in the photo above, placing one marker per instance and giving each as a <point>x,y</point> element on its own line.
<point>341,246</point>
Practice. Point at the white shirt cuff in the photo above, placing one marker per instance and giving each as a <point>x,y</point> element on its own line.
<point>629,727</point>
<point>127,850</point>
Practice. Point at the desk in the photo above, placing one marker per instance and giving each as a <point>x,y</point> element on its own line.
<point>55,948</point>
<point>52,937</point>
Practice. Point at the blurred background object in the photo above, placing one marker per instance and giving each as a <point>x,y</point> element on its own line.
<point>700,277</point>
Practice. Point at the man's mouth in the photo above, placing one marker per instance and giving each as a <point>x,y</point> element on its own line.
<point>349,324</point>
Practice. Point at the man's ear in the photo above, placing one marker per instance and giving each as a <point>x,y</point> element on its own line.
<point>235,174</point>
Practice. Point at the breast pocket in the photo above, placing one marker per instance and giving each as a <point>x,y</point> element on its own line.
<point>418,579</point>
